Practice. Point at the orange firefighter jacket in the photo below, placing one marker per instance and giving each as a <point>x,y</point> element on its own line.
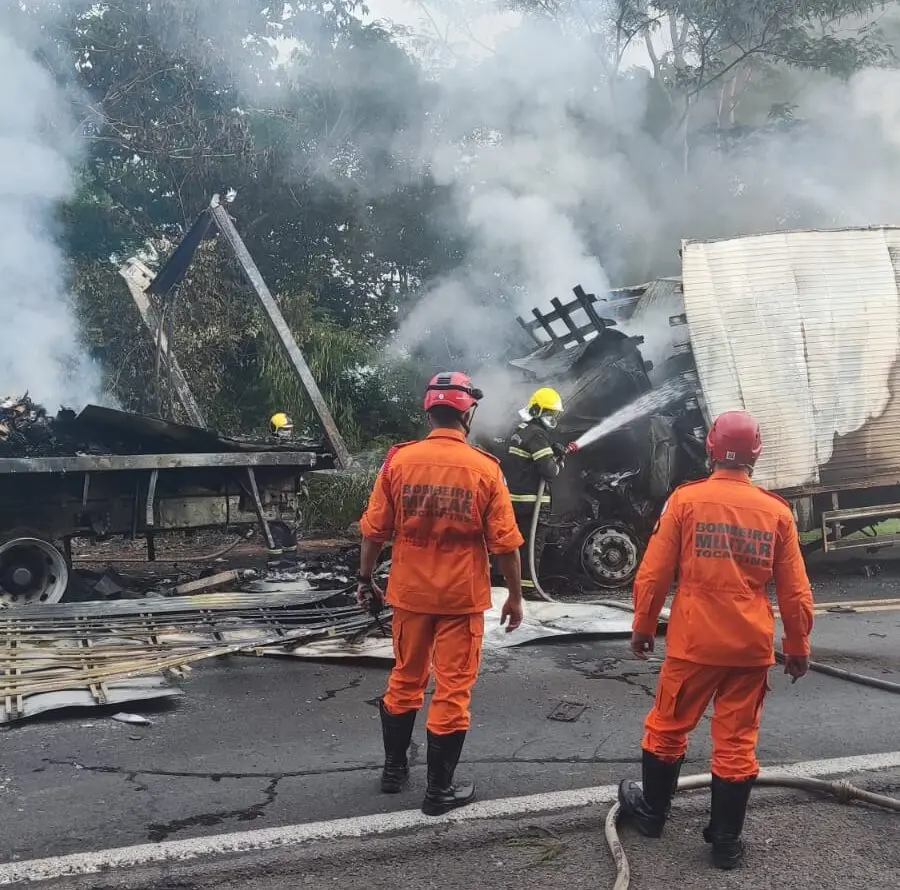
<point>446,505</point>
<point>726,539</point>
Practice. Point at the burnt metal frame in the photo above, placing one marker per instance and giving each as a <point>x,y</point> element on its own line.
<point>563,312</point>
<point>103,463</point>
<point>154,463</point>
<point>832,522</point>
<point>285,337</point>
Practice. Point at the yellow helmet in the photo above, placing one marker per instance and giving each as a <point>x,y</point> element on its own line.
<point>546,405</point>
<point>545,399</point>
<point>281,423</point>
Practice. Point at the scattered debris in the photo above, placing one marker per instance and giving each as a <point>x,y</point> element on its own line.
<point>221,579</point>
<point>102,653</point>
<point>135,719</point>
<point>542,622</point>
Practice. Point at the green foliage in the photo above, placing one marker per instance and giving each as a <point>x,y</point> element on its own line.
<point>334,501</point>
<point>231,357</point>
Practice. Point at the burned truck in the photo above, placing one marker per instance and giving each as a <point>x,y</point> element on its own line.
<point>801,328</point>
<point>105,472</point>
<point>606,502</point>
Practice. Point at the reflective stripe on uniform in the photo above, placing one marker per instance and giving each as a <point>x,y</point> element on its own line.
<point>528,498</point>
<point>519,452</point>
<point>540,455</point>
<point>527,583</point>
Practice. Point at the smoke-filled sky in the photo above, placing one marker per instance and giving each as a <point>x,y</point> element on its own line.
<point>577,190</point>
<point>40,351</point>
<point>580,191</point>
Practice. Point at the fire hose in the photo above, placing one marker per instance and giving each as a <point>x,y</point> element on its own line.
<point>841,789</point>
<point>532,536</point>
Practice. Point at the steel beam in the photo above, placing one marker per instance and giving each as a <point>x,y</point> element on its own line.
<point>286,339</point>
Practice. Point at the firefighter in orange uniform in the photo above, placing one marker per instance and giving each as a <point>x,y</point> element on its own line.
<point>446,505</point>
<point>727,539</point>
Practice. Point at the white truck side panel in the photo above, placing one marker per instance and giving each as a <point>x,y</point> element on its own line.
<point>800,328</point>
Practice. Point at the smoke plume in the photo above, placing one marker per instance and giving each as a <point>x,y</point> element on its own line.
<point>563,176</point>
<point>41,351</point>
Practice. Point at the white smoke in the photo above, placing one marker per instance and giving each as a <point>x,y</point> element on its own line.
<point>41,350</point>
<point>559,180</point>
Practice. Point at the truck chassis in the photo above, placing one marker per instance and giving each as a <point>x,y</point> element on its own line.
<point>49,501</point>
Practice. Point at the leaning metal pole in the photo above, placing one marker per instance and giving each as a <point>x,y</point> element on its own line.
<point>279,325</point>
<point>138,277</point>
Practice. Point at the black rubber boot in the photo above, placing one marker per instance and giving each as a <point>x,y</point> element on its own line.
<point>443,794</point>
<point>396,730</point>
<point>648,804</point>
<point>726,821</point>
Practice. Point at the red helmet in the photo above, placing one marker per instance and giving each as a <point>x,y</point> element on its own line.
<point>452,388</point>
<point>734,440</point>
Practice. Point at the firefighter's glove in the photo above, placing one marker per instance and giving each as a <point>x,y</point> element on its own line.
<point>642,645</point>
<point>369,597</point>
<point>559,452</point>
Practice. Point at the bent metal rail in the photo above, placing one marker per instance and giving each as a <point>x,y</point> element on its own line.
<point>98,463</point>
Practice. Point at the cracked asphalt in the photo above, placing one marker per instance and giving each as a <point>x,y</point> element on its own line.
<point>260,742</point>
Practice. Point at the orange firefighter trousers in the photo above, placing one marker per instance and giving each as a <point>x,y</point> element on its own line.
<point>684,692</point>
<point>448,644</point>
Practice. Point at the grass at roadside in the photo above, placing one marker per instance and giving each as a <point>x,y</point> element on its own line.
<point>334,501</point>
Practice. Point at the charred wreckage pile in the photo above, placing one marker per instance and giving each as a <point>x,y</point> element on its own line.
<point>27,430</point>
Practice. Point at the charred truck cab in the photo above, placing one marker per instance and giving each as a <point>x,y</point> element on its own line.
<point>607,499</point>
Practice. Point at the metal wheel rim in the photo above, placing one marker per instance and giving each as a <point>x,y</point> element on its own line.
<point>50,573</point>
<point>610,541</point>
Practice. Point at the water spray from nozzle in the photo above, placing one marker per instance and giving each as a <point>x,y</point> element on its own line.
<point>653,400</point>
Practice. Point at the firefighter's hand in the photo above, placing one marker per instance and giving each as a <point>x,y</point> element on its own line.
<point>796,666</point>
<point>642,645</point>
<point>369,596</point>
<point>513,612</point>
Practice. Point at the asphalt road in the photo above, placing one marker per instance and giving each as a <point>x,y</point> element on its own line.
<point>793,841</point>
<point>264,742</point>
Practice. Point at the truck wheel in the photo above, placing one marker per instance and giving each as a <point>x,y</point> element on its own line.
<point>610,554</point>
<point>33,570</point>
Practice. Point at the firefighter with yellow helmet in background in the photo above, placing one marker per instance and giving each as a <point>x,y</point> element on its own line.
<point>532,455</point>
<point>281,426</point>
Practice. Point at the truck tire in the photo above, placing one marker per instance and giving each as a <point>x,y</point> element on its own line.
<point>33,570</point>
<point>610,554</point>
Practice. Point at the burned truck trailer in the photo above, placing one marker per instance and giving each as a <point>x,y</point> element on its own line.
<point>137,476</point>
<point>802,329</point>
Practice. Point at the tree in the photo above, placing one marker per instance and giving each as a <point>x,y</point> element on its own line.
<point>180,99</point>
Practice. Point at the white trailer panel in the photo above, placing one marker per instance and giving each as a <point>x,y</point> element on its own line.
<point>802,329</point>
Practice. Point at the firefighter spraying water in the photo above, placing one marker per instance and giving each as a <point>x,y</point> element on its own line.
<point>533,460</point>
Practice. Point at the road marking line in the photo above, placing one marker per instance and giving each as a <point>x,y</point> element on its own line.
<point>369,826</point>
